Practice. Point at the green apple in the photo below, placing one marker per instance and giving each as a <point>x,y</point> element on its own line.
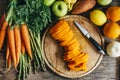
<point>59,8</point>
<point>49,2</point>
<point>104,2</point>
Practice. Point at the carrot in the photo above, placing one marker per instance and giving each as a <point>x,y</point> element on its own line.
<point>26,39</point>
<point>2,33</point>
<point>2,19</point>
<point>11,41</point>
<point>7,51</point>
<point>22,47</point>
<point>8,57</point>
<point>9,61</point>
<point>17,43</point>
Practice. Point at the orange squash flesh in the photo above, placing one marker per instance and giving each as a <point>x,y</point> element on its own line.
<point>74,54</point>
<point>61,31</point>
<point>79,56</point>
<point>68,42</point>
<point>80,67</point>
<point>57,25</point>
<point>70,56</point>
<point>80,60</point>
<point>68,35</point>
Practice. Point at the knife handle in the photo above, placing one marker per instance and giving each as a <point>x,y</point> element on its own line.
<point>97,46</point>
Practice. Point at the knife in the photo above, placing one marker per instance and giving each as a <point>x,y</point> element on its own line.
<point>85,33</point>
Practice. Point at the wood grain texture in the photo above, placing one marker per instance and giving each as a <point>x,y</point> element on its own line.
<point>109,68</point>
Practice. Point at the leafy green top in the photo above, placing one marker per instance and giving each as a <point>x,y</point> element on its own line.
<point>34,13</point>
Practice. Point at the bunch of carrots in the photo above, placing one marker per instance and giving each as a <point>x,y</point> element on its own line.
<point>23,43</point>
<point>18,41</point>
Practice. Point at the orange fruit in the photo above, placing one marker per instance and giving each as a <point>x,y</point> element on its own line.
<point>111,30</point>
<point>113,13</point>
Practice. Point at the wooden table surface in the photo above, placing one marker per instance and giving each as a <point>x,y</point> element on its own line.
<point>109,68</point>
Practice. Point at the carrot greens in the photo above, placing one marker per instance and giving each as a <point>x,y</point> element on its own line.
<point>34,13</point>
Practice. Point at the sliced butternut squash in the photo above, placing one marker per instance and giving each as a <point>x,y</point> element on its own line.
<point>70,49</point>
<point>74,55</point>
<point>80,60</point>
<point>75,45</point>
<point>70,56</point>
<point>67,36</point>
<point>64,29</point>
<point>57,26</point>
<point>77,57</point>
<point>61,34</point>
<point>68,42</point>
<point>80,67</point>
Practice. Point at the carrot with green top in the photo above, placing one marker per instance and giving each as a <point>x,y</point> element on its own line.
<point>8,58</point>
<point>7,51</point>
<point>26,39</point>
<point>2,33</point>
<point>22,47</point>
<point>17,43</point>
<point>9,62</point>
<point>11,41</point>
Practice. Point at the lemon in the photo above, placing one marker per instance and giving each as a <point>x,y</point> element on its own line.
<point>98,17</point>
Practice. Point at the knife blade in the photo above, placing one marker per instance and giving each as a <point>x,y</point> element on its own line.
<point>86,34</point>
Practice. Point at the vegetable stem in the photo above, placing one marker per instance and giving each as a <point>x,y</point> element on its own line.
<point>10,14</point>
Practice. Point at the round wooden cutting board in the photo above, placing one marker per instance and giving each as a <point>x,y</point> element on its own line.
<point>53,52</point>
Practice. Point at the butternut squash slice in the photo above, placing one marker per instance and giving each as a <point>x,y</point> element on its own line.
<point>57,26</point>
<point>64,29</point>
<point>75,45</point>
<point>77,57</point>
<point>70,56</point>
<point>73,51</point>
<point>61,34</point>
<point>67,36</point>
<point>68,42</point>
<point>80,60</point>
<point>80,67</point>
<point>68,49</point>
